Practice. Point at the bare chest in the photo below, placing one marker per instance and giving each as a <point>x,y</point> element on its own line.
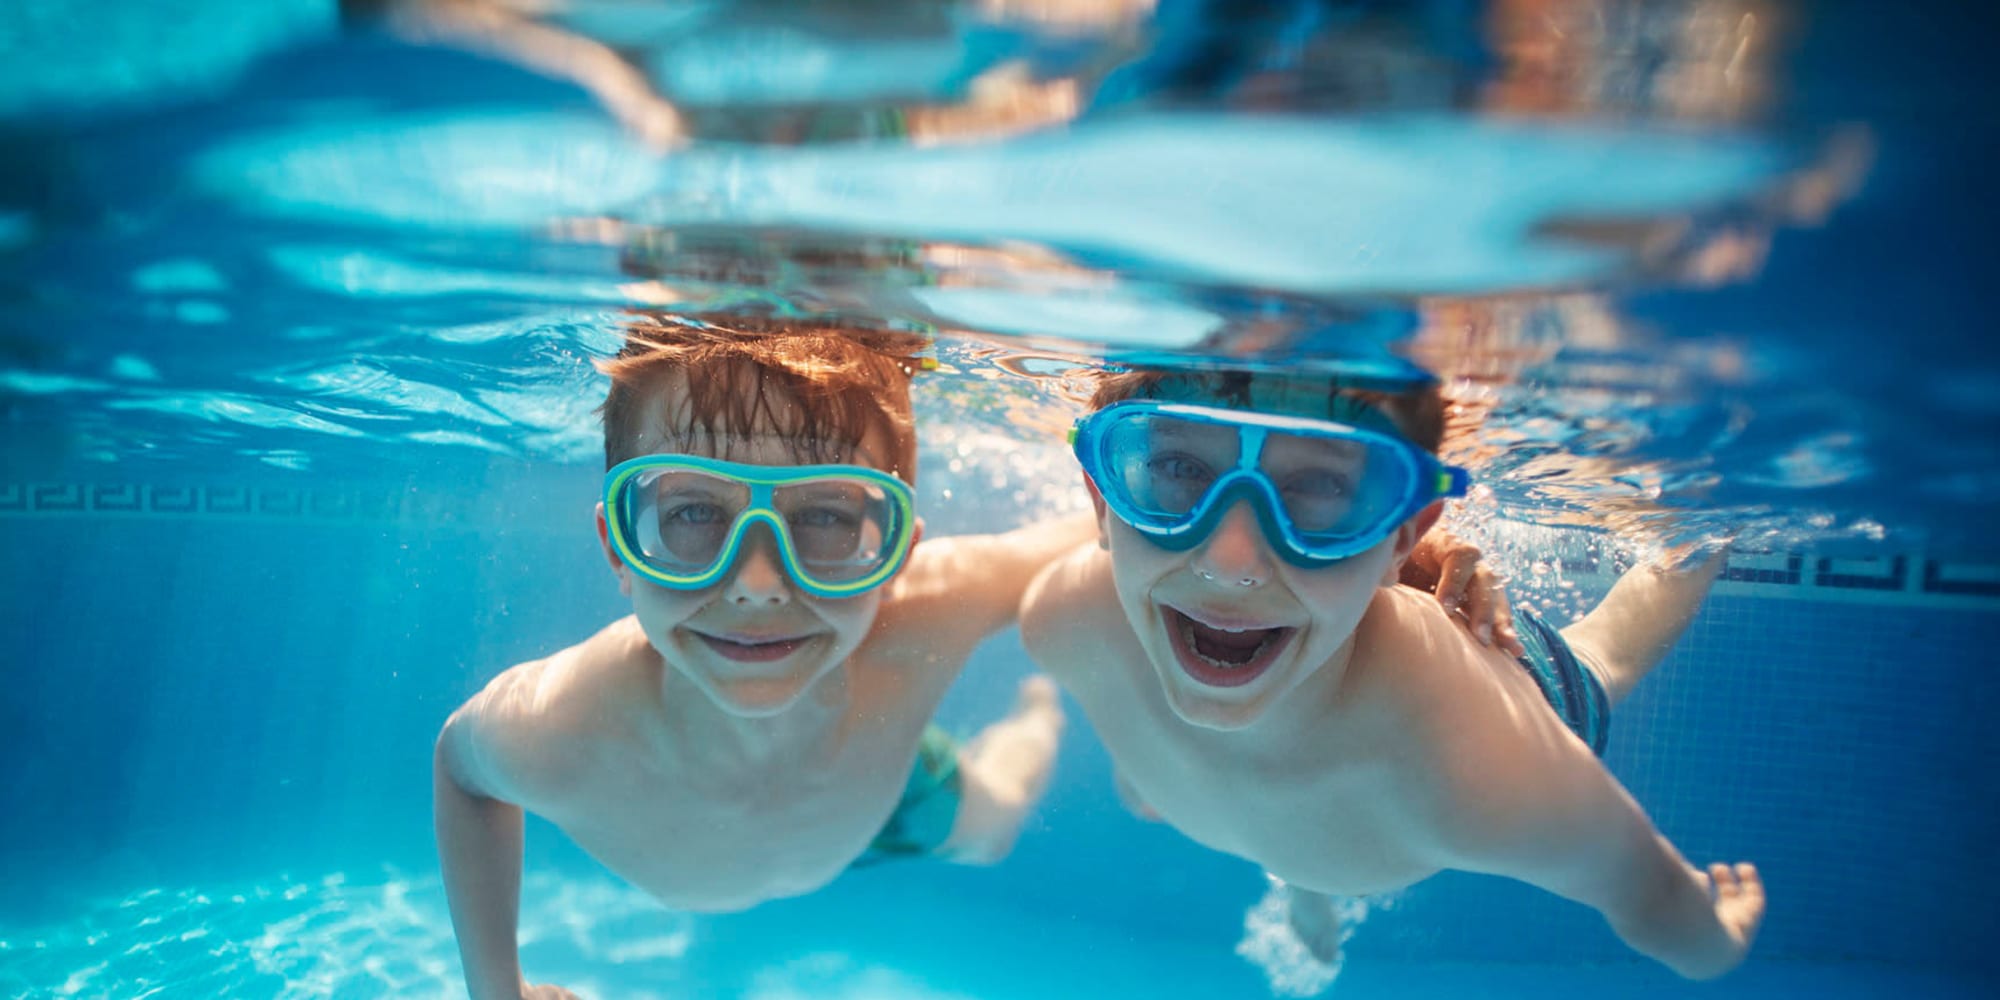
<point>1345,830</point>
<point>729,839</point>
<point>1324,811</point>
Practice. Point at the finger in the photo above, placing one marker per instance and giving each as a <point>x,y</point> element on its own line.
<point>1746,875</point>
<point>1495,586</point>
<point>1753,892</point>
<point>1509,638</point>
<point>1479,605</point>
<point>1455,576</point>
<point>1724,878</point>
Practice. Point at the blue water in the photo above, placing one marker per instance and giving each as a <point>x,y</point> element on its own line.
<point>295,409</point>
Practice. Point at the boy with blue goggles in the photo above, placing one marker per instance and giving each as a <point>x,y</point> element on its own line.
<point>1273,688</point>
<point>680,520</point>
<point>1322,490</point>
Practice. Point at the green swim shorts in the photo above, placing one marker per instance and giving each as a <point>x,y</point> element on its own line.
<point>923,818</point>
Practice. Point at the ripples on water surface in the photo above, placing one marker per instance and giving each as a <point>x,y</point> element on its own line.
<point>332,253</point>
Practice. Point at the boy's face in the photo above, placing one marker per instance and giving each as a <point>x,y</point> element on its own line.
<point>1229,625</point>
<point>754,642</point>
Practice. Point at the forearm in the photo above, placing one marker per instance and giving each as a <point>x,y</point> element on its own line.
<point>1021,554</point>
<point>479,849</point>
<point>1042,541</point>
<point>989,574</point>
<point>1676,924</point>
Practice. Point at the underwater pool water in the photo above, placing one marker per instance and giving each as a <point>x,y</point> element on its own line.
<point>296,409</point>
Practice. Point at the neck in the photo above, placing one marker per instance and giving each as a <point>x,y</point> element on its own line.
<point>1320,699</point>
<point>694,728</point>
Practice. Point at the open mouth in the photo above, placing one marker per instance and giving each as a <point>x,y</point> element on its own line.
<point>1223,657</point>
<point>753,651</point>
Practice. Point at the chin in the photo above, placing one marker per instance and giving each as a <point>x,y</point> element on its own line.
<point>1202,709</point>
<point>758,697</point>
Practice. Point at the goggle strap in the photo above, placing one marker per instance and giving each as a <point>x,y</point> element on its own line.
<point>1453,481</point>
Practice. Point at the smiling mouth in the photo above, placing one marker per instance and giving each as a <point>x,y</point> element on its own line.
<point>753,651</point>
<point>1223,657</point>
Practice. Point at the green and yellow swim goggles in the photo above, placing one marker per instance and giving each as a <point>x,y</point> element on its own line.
<point>680,520</point>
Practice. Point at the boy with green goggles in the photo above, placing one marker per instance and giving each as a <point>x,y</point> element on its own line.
<point>680,521</point>
<point>1240,640</point>
<point>759,722</point>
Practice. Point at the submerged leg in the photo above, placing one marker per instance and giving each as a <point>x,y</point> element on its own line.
<point>1005,770</point>
<point>1631,630</point>
<point>1317,923</point>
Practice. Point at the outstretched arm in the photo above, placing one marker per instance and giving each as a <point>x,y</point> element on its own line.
<point>977,580</point>
<point>479,848</point>
<point>1699,924</point>
<point>1604,852</point>
<point>479,836</point>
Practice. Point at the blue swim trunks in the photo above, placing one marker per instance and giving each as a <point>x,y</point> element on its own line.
<point>923,818</point>
<point>1572,689</point>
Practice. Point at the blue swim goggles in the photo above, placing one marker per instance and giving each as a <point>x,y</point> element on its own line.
<point>1323,491</point>
<point>679,520</point>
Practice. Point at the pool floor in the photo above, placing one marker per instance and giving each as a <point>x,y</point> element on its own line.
<point>387,935</point>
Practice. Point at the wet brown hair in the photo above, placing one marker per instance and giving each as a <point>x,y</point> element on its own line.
<point>1417,412</point>
<point>819,384</point>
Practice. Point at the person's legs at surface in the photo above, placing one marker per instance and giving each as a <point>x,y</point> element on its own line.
<point>1631,630</point>
<point>1005,770</point>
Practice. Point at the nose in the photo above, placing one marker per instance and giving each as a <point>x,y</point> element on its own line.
<point>758,579</point>
<point>1234,554</point>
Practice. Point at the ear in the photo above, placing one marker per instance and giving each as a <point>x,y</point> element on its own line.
<point>611,554</point>
<point>1407,536</point>
<point>917,536</point>
<point>1097,503</point>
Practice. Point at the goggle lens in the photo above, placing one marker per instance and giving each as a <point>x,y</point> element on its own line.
<point>1329,487</point>
<point>686,522</point>
<point>838,528</point>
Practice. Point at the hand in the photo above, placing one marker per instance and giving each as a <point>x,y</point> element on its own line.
<point>1739,900</point>
<point>1449,567</point>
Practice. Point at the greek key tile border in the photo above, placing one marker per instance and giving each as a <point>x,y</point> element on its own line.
<point>1905,578</point>
<point>1902,578</point>
<point>39,499</point>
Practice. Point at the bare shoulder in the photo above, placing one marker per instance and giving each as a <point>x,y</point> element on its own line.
<point>524,736</point>
<point>1414,658</point>
<point>1510,781</point>
<point>1477,735</point>
<point>1071,610</point>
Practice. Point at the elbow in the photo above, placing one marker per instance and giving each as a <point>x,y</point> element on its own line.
<point>449,762</point>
